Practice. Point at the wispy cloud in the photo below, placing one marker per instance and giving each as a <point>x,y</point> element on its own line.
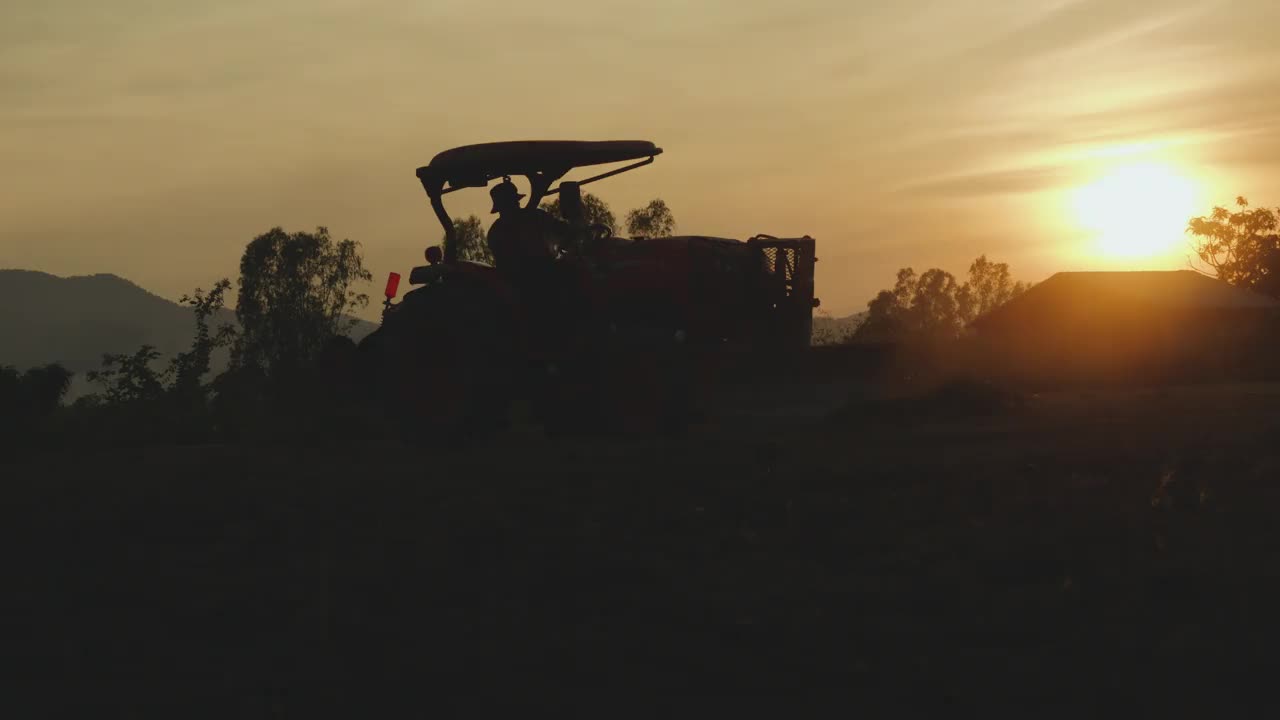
<point>1001,182</point>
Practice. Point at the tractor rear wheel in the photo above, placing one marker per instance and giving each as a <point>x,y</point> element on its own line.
<point>647,388</point>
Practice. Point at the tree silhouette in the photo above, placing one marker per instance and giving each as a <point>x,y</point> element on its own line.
<point>45,386</point>
<point>989,286</point>
<point>131,379</point>
<point>933,306</point>
<point>652,220</point>
<point>189,368</point>
<point>1241,247</point>
<point>35,393</point>
<point>596,211</point>
<point>935,311</point>
<point>469,234</point>
<point>888,313</point>
<point>923,307</point>
<point>295,292</point>
<point>28,399</point>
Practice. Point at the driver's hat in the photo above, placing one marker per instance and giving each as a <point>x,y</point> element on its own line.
<point>505,190</point>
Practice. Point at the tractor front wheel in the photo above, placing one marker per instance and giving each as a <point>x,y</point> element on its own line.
<point>442,367</point>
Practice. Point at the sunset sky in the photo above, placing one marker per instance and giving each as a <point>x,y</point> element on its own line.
<point>154,139</point>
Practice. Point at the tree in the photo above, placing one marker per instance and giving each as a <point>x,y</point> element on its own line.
<point>652,220</point>
<point>131,379</point>
<point>597,211</point>
<point>935,311</point>
<point>990,285</point>
<point>45,386</point>
<point>189,368</point>
<point>35,393</point>
<point>27,399</point>
<point>933,306</point>
<point>922,307</point>
<point>473,246</point>
<point>296,290</point>
<point>128,379</point>
<point>886,313</point>
<point>1242,247</point>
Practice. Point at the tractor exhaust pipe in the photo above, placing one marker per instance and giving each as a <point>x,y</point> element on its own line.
<point>571,203</point>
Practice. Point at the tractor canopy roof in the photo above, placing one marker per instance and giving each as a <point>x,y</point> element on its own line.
<point>477,165</point>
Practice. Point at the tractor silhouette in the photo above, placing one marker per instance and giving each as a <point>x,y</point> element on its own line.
<point>652,319</point>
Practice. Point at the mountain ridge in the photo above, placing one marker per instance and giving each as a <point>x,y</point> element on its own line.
<point>74,320</point>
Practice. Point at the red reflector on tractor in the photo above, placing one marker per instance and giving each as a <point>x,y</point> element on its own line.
<point>393,284</point>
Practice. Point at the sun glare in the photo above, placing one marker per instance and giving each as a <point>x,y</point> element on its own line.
<point>1136,212</point>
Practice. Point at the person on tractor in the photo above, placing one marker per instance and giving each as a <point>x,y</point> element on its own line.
<point>525,243</point>
<point>522,236</point>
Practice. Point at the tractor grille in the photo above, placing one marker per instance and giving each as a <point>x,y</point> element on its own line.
<point>781,262</point>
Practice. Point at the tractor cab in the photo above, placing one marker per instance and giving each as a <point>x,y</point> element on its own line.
<point>542,163</point>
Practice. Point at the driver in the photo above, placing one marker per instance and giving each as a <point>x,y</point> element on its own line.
<point>525,242</point>
<point>521,236</point>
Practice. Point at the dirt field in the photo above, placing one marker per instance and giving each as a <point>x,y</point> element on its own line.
<point>1024,560</point>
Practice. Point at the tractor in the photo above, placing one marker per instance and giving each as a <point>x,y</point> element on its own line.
<point>653,320</point>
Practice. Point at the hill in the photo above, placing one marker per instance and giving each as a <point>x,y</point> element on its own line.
<point>832,330</point>
<point>74,320</point>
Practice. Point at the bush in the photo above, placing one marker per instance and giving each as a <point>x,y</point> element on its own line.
<point>29,400</point>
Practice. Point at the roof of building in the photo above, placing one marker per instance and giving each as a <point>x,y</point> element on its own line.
<point>1159,290</point>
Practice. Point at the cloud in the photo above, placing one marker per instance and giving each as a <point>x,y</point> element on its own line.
<point>998,182</point>
<point>833,115</point>
<point>1093,24</point>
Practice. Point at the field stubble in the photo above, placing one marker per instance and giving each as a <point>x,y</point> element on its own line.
<point>1100,550</point>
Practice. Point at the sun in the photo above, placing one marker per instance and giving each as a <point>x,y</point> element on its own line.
<point>1137,211</point>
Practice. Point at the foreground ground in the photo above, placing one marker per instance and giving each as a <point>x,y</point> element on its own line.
<point>1104,552</point>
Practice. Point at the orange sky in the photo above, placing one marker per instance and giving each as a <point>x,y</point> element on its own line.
<point>154,139</point>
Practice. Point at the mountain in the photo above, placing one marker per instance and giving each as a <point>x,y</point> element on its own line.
<point>74,320</point>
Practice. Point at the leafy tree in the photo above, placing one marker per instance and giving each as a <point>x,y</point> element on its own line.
<point>473,245</point>
<point>35,393</point>
<point>296,290</point>
<point>189,368</point>
<point>888,314</point>
<point>27,400</point>
<point>45,387</point>
<point>597,211</point>
<point>1241,247</point>
<point>918,307</point>
<point>141,400</point>
<point>990,285</point>
<point>933,306</point>
<point>131,379</point>
<point>652,220</point>
<point>935,311</point>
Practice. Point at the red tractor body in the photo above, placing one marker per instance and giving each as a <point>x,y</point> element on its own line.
<point>646,310</point>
